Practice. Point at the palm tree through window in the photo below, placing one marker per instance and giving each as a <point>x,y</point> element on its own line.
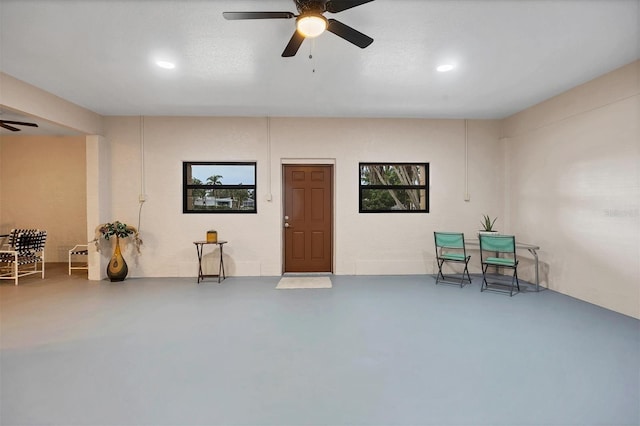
<point>219,187</point>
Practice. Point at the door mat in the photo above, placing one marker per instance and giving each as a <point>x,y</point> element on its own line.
<point>289,283</point>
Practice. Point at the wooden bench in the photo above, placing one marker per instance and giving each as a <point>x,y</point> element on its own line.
<point>24,256</point>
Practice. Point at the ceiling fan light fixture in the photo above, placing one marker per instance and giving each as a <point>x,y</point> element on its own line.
<point>311,25</point>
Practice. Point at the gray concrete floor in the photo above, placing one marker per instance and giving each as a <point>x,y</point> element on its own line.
<point>373,350</point>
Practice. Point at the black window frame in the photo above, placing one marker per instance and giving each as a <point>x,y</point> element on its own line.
<point>186,186</point>
<point>363,187</point>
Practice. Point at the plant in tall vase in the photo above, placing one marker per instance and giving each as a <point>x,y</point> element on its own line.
<point>487,224</point>
<point>117,269</point>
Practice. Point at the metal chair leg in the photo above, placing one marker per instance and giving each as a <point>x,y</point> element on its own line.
<point>439,274</point>
<point>466,269</point>
<point>514,280</point>
<point>485,284</point>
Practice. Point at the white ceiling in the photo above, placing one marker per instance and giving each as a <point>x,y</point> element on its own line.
<point>509,55</point>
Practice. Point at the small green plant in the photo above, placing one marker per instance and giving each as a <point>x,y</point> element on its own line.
<point>487,223</point>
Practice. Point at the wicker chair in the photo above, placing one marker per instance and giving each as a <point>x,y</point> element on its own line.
<point>25,255</point>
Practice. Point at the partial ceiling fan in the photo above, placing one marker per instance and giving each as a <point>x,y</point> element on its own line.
<point>7,124</point>
<point>310,22</point>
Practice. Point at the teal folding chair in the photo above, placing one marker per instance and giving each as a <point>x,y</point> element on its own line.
<point>450,248</point>
<point>503,250</point>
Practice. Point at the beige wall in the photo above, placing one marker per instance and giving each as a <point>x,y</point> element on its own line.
<point>364,243</point>
<point>573,173</point>
<point>43,185</point>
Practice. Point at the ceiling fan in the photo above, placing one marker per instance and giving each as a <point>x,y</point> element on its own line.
<point>310,22</point>
<point>6,124</point>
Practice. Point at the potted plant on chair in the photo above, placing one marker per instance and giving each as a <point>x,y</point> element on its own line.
<point>117,269</point>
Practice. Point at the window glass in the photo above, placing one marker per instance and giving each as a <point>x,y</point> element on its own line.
<point>394,187</point>
<point>229,174</point>
<point>219,187</point>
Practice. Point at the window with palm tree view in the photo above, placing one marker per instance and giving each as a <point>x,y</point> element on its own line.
<point>219,187</point>
<point>394,187</point>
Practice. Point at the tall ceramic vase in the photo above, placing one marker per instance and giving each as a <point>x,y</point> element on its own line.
<point>117,269</point>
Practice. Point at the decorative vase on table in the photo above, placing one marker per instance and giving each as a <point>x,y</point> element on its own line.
<point>117,269</point>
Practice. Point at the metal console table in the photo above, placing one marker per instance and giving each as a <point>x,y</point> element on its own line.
<point>200,247</point>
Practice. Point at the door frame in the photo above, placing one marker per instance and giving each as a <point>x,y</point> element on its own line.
<point>308,162</point>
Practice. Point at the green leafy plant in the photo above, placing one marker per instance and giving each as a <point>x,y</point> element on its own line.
<point>487,223</point>
<point>119,230</point>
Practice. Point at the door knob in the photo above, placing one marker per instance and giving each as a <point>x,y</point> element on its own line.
<point>286,218</point>
<point>286,225</point>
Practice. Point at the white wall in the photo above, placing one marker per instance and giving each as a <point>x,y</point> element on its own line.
<point>573,169</point>
<point>98,159</point>
<point>364,243</point>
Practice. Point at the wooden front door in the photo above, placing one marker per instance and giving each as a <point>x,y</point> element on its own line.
<point>308,210</point>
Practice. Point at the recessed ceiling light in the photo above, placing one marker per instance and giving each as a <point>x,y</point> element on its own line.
<point>166,65</point>
<point>445,67</point>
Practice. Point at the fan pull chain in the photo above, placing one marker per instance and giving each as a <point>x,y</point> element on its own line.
<point>311,58</point>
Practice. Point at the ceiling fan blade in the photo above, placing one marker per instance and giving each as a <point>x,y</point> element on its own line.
<point>20,123</point>
<point>294,45</point>
<point>335,6</point>
<point>6,126</point>
<point>349,34</point>
<point>232,16</point>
